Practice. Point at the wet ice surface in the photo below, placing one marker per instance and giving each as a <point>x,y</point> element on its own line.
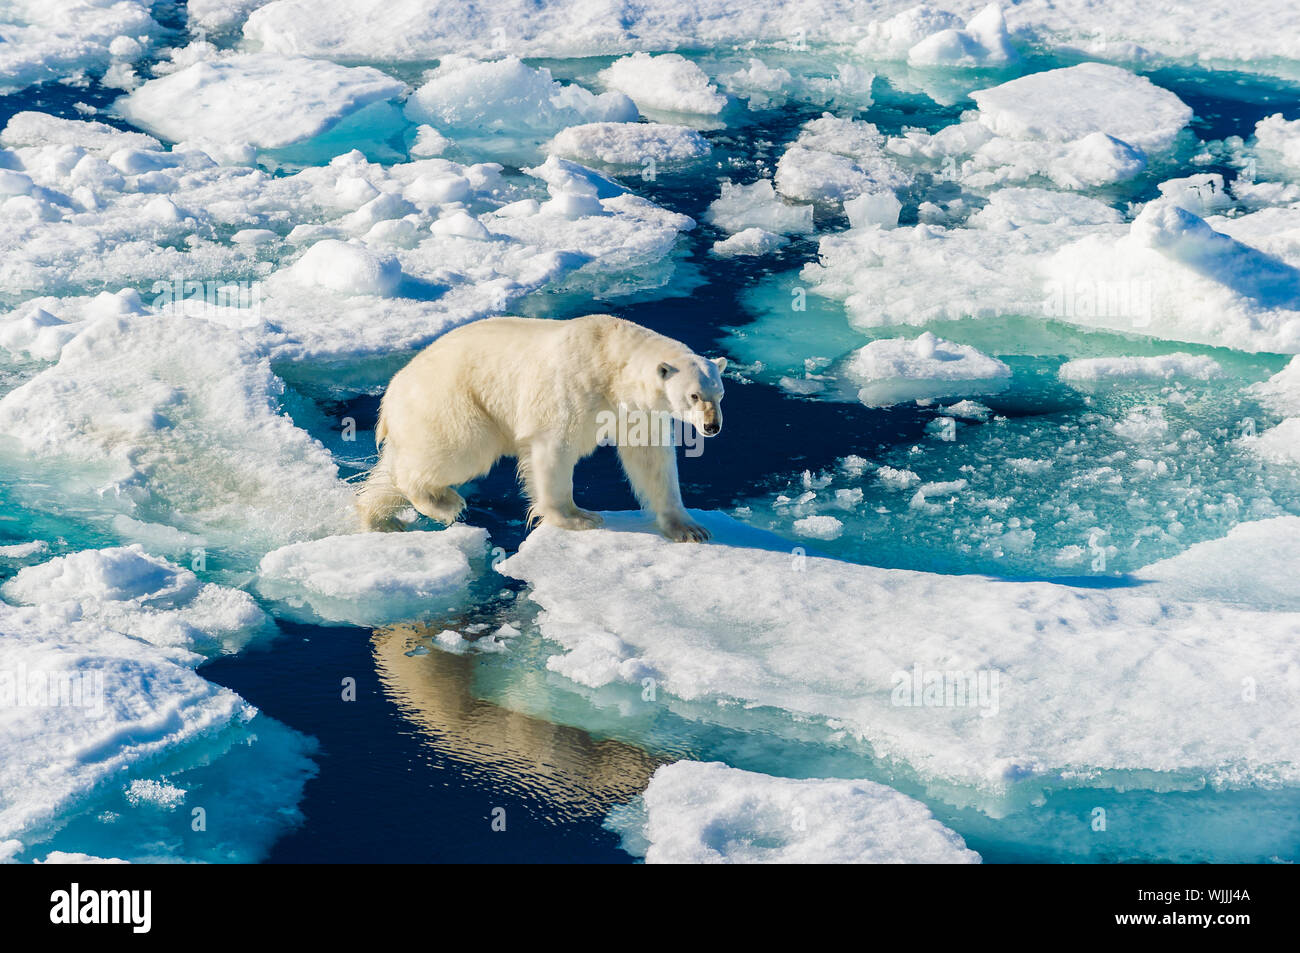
<point>969,335</point>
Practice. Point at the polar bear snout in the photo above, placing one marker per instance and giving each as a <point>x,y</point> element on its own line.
<point>710,419</point>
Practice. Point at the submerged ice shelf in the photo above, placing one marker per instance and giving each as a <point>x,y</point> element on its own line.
<point>1088,283</point>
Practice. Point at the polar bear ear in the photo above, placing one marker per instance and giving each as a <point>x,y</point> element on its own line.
<point>721,363</point>
<point>666,371</point>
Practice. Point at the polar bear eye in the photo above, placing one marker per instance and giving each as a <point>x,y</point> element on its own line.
<point>695,398</point>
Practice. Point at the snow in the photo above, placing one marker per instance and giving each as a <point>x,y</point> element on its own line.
<point>629,143</point>
<point>1069,104</point>
<point>1163,367</point>
<point>371,578</point>
<point>268,101</point>
<point>894,370</point>
<point>143,596</point>
<point>709,813</point>
<point>1059,714</point>
<point>666,83</point>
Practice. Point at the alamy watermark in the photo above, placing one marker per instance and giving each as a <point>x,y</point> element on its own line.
<point>1132,301</point>
<point>946,688</point>
<point>630,427</point>
<point>221,301</point>
<point>22,687</point>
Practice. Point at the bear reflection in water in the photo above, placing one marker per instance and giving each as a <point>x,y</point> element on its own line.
<point>572,775</point>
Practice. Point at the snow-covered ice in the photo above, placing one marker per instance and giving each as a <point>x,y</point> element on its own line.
<point>893,370</point>
<point>268,101</point>
<point>708,813</point>
<point>1066,671</point>
<point>372,578</point>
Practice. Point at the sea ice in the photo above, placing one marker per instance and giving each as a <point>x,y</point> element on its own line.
<point>629,143</point>
<point>270,101</point>
<point>665,83</point>
<point>898,658</point>
<point>143,596</point>
<point>894,370</point>
<point>371,578</point>
<point>1066,105</point>
<point>708,813</point>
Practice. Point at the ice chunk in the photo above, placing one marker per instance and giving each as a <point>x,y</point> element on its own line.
<point>97,138</point>
<point>749,241</point>
<point>983,42</point>
<point>175,420</point>
<point>47,41</point>
<point>83,704</point>
<point>143,596</point>
<point>819,527</point>
<point>1201,194</point>
<point>1279,140</point>
<point>372,578</point>
<point>894,37</point>
<point>666,83</point>
<point>629,143</point>
<point>835,159</point>
<point>873,208</point>
<point>1065,105</point>
<point>970,681</point>
<point>757,206</point>
<point>1163,367</point>
<point>893,370</point>
<point>1015,207</point>
<point>507,96</point>
<point>347,269</point>
<point>709,813</point>
<point>1225,282</point>
<point>269,101</point>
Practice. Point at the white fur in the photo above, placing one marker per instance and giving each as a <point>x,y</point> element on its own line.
<point>534,389</point>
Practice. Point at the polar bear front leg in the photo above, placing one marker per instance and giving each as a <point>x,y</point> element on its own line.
<point>652,471</point>
<point>548,481</point>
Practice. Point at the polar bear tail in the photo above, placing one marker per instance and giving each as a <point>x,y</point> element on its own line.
<point>378,500</point>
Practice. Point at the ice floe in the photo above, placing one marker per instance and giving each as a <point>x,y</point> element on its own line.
<point>708,813</point>
<point>894,370</point>
<point>665,83</point>
<point>268,101</point>
<point>45,41</point>
<point>175,420</point>
<point>1065,671</point>
<point>629,143</point>
<point>1163,367</point>
<point>371,578</point>
<point>143,596</point>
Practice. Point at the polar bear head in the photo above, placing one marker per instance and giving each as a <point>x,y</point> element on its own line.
<point>692,391</point>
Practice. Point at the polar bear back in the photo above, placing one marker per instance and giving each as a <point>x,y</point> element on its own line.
<point>511,379</point>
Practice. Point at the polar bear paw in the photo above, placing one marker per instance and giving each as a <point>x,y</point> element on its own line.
<point>574,519</point>
<point>680,529</point>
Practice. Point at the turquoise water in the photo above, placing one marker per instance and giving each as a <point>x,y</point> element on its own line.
<point>1053,474</point>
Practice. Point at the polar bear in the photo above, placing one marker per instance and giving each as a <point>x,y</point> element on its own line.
<point>541,391</point>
